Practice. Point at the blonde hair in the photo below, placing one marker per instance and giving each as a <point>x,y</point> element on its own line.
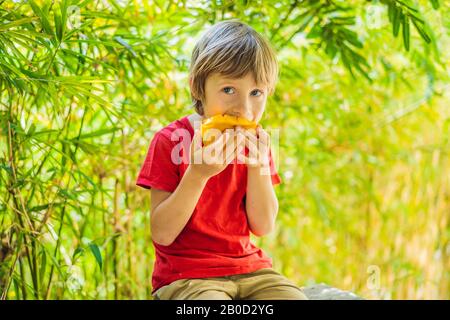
<point>232,49</point>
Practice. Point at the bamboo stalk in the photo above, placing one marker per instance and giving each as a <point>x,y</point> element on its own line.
<point>117,229</point>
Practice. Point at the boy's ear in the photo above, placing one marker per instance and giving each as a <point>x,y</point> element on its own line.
<point>190,82</point>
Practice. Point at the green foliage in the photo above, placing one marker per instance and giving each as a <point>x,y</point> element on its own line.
<point>362,105</point>
<point>401,13</point>
<point>96,252</point>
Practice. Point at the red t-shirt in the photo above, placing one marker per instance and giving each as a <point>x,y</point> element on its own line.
<point>216,240</point>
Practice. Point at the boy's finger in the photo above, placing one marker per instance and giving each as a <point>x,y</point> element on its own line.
<point>251,139</point>
<point>227,142</point>
<point>220,139</point>
<point>240,138</point>
<point>263,135</point>
<point>229,148</point>
<point>197,140</point>
<point>230,156</point>
<point>252,148</point>
<point>224,140</point>
<point>215,149</point>
<point>229,137</point>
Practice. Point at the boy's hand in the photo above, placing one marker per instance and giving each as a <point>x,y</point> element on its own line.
<point>258,144</point>
<point>207,161</point>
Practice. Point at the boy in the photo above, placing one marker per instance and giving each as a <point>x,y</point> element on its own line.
<point>202,212</point>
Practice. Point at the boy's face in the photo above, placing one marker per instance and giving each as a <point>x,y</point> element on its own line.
<point>237,97</point>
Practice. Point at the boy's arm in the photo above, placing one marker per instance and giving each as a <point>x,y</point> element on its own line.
<point>170,214</point>
<point>171,211</point>
<point>261,202</point>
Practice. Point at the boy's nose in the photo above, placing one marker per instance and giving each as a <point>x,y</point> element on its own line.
<point>242,112</point>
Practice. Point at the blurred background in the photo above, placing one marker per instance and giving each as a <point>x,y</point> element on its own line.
<point>362,105</point>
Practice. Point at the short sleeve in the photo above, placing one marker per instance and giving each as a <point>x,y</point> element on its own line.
<point>158,170</point>
<point>273,171</point>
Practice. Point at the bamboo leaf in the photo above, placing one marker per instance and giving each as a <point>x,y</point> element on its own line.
<point>52,258</point>
<point>63,9</point>
<point>58,26</point>
<point>347,64</point>
<point>397,19</point>
<point>15,23</point>
<point>98,42</point>
<point>78,251</point>
<point>391,11</point>
<point>97,133</point>
<point>405,25</point>
<point>406,5</point>
<point>6,168</point>
<point>31,130</point>
<point>42,17</point>
<point>66,194</point>
<point>39,208</point>
<point>97,254</point>
<point>352,37</point>
<point>91,182</point>
<point>435,4</point>
<point>125,44</point>
<point>421,31</point>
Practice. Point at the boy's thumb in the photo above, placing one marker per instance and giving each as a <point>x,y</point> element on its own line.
<point>197,140</point>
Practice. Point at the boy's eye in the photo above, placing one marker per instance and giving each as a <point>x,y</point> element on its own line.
<point>228,90</point>
<point>256,93</point>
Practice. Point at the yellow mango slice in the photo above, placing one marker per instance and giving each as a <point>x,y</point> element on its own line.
<point>222,122</point>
